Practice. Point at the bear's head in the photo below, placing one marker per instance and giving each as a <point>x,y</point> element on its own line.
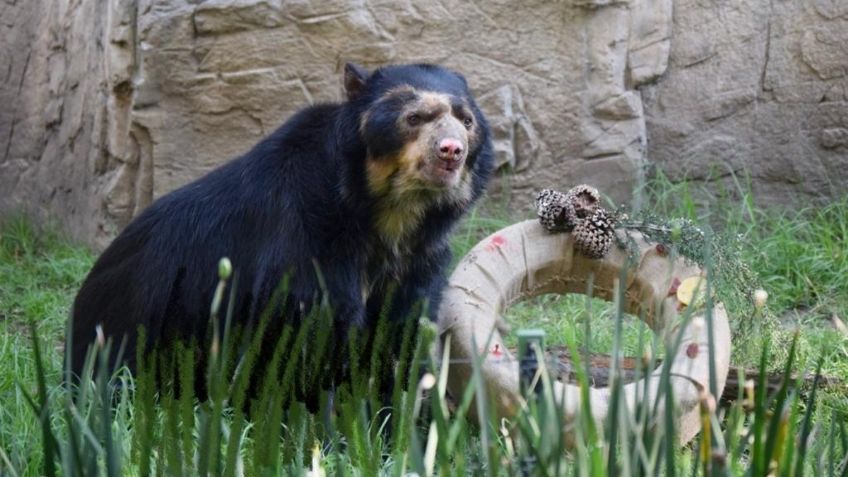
<point>421,129</point>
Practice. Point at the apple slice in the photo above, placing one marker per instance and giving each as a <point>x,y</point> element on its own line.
<point>692,291</point>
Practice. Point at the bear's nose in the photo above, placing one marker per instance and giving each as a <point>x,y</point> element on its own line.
<point>450,149</point>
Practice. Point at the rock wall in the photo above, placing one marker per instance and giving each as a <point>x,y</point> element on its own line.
<point>53,103</point>
<point>758,86</point>
<point>112,103</point>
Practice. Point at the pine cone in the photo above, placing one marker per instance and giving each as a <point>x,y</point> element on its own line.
<point>593,236</point>
<point>584,199</point>
<point>555,211</point>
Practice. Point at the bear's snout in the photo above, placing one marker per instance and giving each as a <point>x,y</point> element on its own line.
<point>450,151</point>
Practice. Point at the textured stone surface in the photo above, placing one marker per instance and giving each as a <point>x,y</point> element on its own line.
<point>755,85</point>
<point>55,119</point>
<point>112,103</point>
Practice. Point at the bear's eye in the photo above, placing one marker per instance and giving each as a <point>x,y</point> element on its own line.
<point>468,122</point>
<point>413,119</point>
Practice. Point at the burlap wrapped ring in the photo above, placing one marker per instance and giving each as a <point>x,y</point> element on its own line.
<point>525,260</point>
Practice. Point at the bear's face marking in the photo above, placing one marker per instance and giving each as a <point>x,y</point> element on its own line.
<point>418,140</point>
<point>418,143</point>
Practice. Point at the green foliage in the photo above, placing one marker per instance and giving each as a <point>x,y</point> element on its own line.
<point>799,254</point>
<point>85,430</point>
<point>117,424</point>
<point>39,274</point>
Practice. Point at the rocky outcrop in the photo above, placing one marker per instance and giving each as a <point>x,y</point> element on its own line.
<point>112,103</point>
<point>757,88</point>
<point>71,151</point>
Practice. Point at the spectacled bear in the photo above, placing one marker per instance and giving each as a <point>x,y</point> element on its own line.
<point>365,192</point>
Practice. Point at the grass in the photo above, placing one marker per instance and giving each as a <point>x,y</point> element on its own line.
<point>800,258</point>
<point>39,275</point>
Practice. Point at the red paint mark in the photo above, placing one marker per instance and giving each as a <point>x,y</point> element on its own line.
<point>496,242</point>
<point>675,284</point>
<point>692,350</point>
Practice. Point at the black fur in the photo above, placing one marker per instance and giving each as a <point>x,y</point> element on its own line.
<point>298,198</point>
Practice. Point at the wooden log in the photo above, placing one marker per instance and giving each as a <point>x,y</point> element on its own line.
<point>631,369</point>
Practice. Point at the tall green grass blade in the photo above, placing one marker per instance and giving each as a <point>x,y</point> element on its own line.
<point>173,452</point>
<point>185,360</point>
<point>112,457</point>
<point>758,454</point>
<point>399,398</point>
<point>145,409</point>
<point>615,385</point>
<point>781,406</point>
<point>807,424</point>
<point>42,408</point>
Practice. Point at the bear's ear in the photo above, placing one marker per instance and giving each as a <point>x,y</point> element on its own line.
<point>355,77</point>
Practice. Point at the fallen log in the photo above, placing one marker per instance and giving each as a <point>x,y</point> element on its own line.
<point>631,369</point>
